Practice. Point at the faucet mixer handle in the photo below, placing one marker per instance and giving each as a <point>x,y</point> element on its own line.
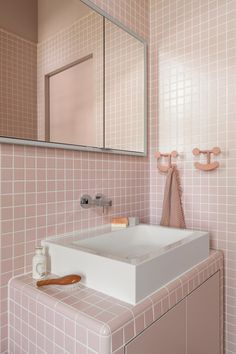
<point>99,196</point>
<point>86,201</point>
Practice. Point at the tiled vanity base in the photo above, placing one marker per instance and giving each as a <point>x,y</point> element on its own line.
<point>76,319</point>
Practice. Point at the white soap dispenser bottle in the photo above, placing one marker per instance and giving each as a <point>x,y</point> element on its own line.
<point>39,264</point>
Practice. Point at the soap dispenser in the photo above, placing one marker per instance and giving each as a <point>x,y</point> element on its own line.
<point>39,264</point>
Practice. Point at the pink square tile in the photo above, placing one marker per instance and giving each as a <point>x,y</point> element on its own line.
<point>105,316</point>
<point>59,338</point>
<point>81,334</point>
<point>32,335</point>
<point>59,350</point>
<point>70,345</point>
<point>49,346</point>
<point>139,324</point>
<point>70,328</point>
<point>59,321</point>
<point>94,311</point>
<point>117,339</point>
<point>129,332</point>
<point>148,317</point>
<point>93,341</point>
<point>157,310</point>
<point>40,341</point>
<point>80,349</point>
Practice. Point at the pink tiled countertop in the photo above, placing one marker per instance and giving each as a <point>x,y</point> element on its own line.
<point>76,319</point>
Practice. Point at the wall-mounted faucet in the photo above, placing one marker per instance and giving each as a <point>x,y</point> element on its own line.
<point>101,201</point>
<point>86,201</point>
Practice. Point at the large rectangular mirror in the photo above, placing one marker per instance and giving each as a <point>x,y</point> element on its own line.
<point>70,77</point>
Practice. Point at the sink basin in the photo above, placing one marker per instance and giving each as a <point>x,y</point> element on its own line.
<point>128,264</point>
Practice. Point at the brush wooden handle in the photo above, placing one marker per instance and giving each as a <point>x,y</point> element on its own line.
<point>68,279</point>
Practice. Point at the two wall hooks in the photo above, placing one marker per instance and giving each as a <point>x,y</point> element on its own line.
<point>208,166</point>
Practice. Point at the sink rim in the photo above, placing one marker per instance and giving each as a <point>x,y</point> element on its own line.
<point>68,240</point>
<point>122,280</point>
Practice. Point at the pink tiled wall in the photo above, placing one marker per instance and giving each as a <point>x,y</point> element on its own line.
<point>193,76</point>
<point>18,86</point>
<point>40,188</point>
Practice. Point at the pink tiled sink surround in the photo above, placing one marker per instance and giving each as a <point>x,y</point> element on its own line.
<point>81,320</point>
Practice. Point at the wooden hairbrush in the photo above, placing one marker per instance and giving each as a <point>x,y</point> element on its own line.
<point>67,280</point>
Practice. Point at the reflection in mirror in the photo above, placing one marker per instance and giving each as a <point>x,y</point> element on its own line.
<point>69,32</point>
<point>71,112</point>
<point>69,76</point>
<point>37,40</point>
<point>124,90</point>
<point>18,69</point>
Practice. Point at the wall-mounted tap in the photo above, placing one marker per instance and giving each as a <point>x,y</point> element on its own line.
<point>100,200</point>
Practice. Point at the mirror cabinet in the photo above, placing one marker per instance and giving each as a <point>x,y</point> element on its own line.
<point>72,76</point>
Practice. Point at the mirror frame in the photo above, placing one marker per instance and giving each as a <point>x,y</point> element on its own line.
<point>18,141</point>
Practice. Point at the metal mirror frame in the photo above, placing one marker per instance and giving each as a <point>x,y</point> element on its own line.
<point>18,141</point>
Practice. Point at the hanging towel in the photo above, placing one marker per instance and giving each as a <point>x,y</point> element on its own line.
<point>172,212</point>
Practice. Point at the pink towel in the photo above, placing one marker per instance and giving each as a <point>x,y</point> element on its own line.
<point>172,212</point>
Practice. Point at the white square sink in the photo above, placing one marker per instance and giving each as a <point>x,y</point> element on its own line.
<point>128,264</point>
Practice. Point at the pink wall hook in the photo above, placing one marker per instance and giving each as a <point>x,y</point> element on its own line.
<point>165,168</point>
<point>209,166</point>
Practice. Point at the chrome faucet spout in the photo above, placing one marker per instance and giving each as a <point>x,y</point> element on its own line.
<point>102,201</point>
